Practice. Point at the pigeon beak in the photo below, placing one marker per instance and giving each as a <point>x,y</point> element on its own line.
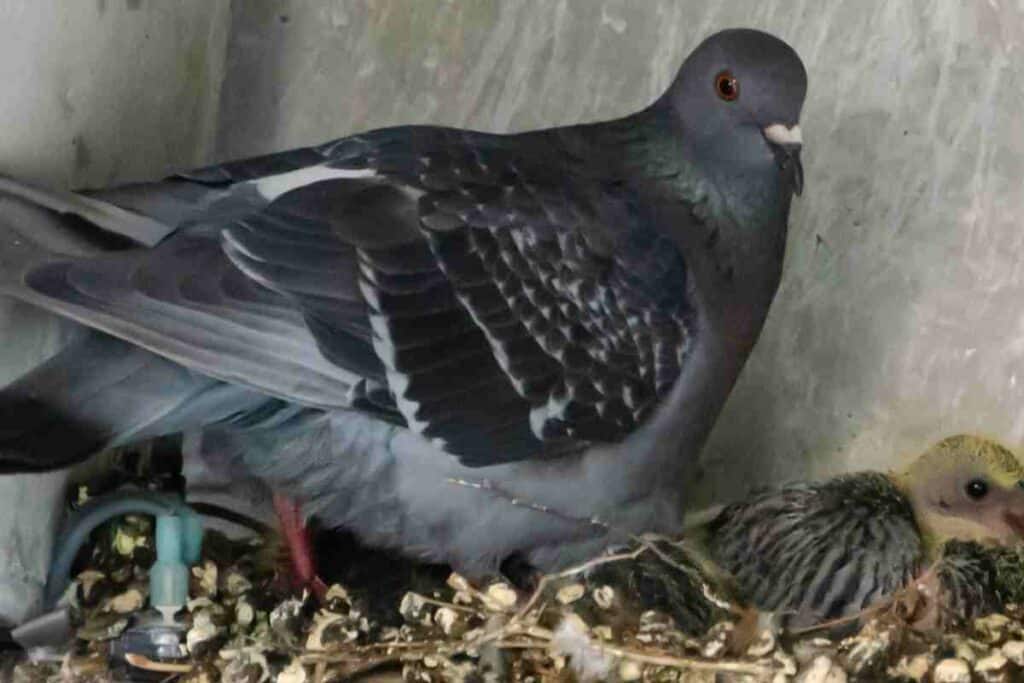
<point>1013,514</point>
<point>1015,520</point>
<point>786,142</point>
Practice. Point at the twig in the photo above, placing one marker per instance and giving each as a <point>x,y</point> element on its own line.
<point>684,662</point>
<point>541,639</point>
<point>839,621</point>
<point>353,650</point>
<point>869,611</point>
<point>645,541</point>
<point>144,662</point>
<point>661,659</point>
<point>546,580</point>
<point>650,541</point>
<point>889,602</point>
<point>442,603</point>
<point>415,649</point>
<point>488,486</point>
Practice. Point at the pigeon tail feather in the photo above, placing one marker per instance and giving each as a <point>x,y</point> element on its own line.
<point>100,392</point>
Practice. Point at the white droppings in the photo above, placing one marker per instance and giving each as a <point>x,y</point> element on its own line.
<point>272,187</point>
<point>367,69</point>
<point>952,671</point>
<point>823,670</point>
<point>1014,651</point>
<point>572,639</point>
<point>338,16</point>
<point>617,24</point>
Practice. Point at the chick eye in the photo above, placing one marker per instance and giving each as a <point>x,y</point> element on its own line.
<point>727,87</point>
<point>976,489</point>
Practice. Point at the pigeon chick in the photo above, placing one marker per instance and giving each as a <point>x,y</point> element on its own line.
<point>818,552</point>
<point>826,551</point>
<point>413,330</point>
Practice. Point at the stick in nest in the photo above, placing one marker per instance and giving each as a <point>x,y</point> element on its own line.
<point>514,626</point>
<point>538,638</point>
<point>144,662</point>
<point>892,602</point>
<point>647,542</point>
<point>488,486</point>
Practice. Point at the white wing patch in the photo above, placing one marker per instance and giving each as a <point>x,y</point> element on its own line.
<point>272,187</point>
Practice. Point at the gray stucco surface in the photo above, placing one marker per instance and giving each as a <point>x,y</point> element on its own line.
<point>94,93</point>
<point>899,318</point>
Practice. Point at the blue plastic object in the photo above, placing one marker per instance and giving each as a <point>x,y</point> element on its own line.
<point>99,510</point>
<point>168,577</point>
<point>193,533</point>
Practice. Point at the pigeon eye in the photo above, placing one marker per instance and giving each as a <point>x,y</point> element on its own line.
<point>727,87</point>
<point>976,489</point>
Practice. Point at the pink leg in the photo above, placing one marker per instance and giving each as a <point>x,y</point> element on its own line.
<point>300,549</point>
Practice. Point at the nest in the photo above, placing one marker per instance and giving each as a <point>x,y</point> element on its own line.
<point>649,613</point>
<point>639,615</point>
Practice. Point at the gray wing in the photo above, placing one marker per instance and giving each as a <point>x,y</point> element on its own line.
<point>184,300</point>
<point>99,392</point>
<point>817,552</point>
<point>493,293</point>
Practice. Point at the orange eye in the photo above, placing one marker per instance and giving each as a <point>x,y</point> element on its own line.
<point>726,86</point>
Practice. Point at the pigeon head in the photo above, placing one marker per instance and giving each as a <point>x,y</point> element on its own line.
<point>967,488</point>
<point>738,98</point>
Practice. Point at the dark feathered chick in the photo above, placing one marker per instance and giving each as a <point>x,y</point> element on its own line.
<point>817,552</point>
<point>966,585</point>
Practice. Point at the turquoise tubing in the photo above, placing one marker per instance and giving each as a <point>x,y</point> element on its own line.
<point>95,512</point>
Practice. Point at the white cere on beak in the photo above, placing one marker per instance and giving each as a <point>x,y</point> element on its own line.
<point>781,135</point>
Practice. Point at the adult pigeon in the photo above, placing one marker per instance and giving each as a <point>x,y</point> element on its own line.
<point>553,317</point>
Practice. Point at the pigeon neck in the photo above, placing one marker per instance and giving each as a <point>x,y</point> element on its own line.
<point>730,312</point>
<point>634,146</point>
<point>671,440</point>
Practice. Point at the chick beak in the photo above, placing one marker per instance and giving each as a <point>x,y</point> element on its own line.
<point>1015,520</point>
<point>786,143</point>
<point>1013,515</point>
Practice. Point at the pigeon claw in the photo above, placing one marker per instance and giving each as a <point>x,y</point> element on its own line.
<point>300,548</point>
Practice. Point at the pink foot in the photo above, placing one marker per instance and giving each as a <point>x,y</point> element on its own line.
<point>300,549</point>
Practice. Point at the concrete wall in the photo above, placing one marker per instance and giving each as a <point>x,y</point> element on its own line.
<point>93,93</point>
<point>899,320</point>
